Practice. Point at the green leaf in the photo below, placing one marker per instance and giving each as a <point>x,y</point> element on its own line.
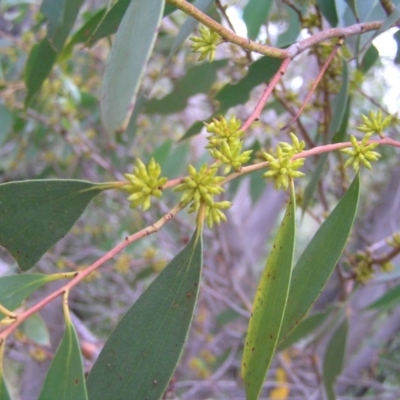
<point>65,379</point>
<point>319,259</point>
<point>328,10</point>
<point>198,79</point>
<point>54,11</point>
<point>396,37</point>
<point>36,329</point>
<point>340,103</point>
<point>36,214</point>
<point>44,54</point>
<point>293,29</point>
<point>390,299</point>
<point>86,31</point>
<point>4,395</point>
<point>342,131</point>
<point>111,21</point>
<point>131,49</point>
<point>334,358</point>
<point>142,352</point>
<point>353,7</point>
<point>269,306</point>
<point>255,14</point>
<point>40,62</point>
<point>15,289</point>
<point>6,121</point>
<point>369,59</point>
<point>57,34</point>
<point>305,327</point>
<point>187,27</point>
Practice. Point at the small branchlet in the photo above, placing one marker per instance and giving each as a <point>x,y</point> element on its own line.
<point>225,143</point>
<point>206,43</point>
<point>200,187</point>
<point>144,183</point>
<point>282,167</point>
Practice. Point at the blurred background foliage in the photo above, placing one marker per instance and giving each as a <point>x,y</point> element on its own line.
<point>59,134</point>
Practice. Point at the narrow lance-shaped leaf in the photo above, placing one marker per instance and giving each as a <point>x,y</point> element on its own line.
<point>319,259</point>
<point>15,289</point>
<point>142,352</point>
<point>334,357</point>
<point>36,214</point>
<point>65,379</point>
<point>255,14</point>
<point>390,299</point>
<point>269,306</point>
<point>131,49</point>
<point>4,394</point>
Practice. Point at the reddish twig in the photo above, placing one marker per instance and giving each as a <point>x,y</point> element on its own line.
<point>315,84</point>
<point>255,115</point>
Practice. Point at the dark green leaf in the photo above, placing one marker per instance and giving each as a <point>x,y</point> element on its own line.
<point>306,327</point>
<point>390,299</point>
<point>36,330</point>
<point>87,30</point>
<point>36,214</point>
<point>328,9</point>
<point>142,352</point>
<point>294,27</point>
<point>318,260</point>
<point>255,14</point>
<point>269,306</point>
<point>57,34</point>
<point>132,47</point>
<point>353,7</point>
<point>396,37</point>
<point>15,289</point>
<point>54,11</point>
<point>198,79</point>
<point>340,102</point>
<point>187,27</point>
<point>369,59</point>
<point>65,379</point>
<point>341,133</point>
<point>6,121</point>
<point>109,25</point>
<point>334,357</point>
<point>40,62</point>
<point>4,395</point>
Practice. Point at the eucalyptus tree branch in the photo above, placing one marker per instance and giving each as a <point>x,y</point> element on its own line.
<point>81,275</point>
<point>274,52</point>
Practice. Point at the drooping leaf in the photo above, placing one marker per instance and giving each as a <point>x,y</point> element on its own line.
<point>353,7</point>
<point>340,102</point>
<point>396,37</point>
<point>40,62</point>
<point>4,395</point>
<point>6,120</point>
<point>269,306</point>
<point>340,135</point>
<point>44,54</point>
<point>369,59</point>
<point>65,379</point>
<point>36,330</point>
<point>54,11</point>
<point>293,29</point>
<point>306,327</point>
<point>15,289</point>
<point>36,214</point>
<point>111,21</point>
<point>319,259</point>
<point>334,358</point>
<point>198,79</point>
<point>142,352</point>
<point>131,49</point>
<point>390,299</point>
<point>187,28</point>
<point>86,31</point>
<point>328,10</point>
<point>255,14</point>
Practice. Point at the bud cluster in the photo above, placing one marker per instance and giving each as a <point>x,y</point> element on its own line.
<point>206,43</point>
